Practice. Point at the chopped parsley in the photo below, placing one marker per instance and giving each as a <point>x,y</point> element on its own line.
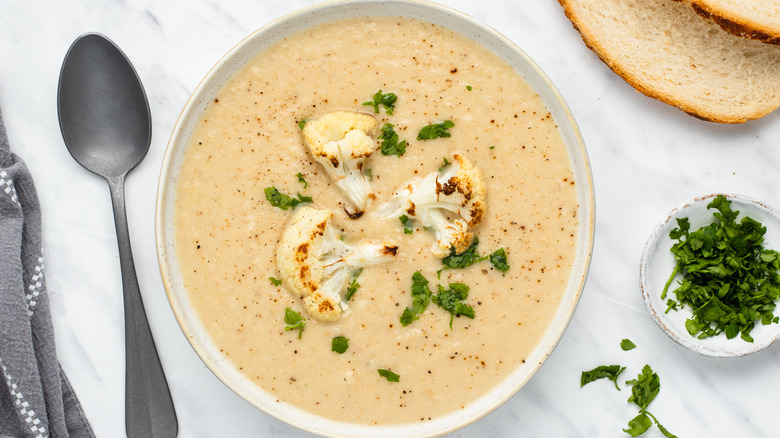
<point>275,281</point>
<point>627,345</point>
<point>389,375</point>
<point>459,261</point>
<point>452,300</point>
<point>610,372</point>
<point>498,260</point>
<point>368,172</point>
<point>445,164</point>
<point>390,144</point>
<point>435,130</point>
<point>404,220</point>
<point>278,199</point>
<point>294,321</point>
<point>339,344</point>
<point>301,123</point>
<point>421,297</point>
<point>354,286</point>
<point>468,87</point>
<point>386,100</point>
<point>728,278</point>
<point>299,175</point>
<point>492,147</point>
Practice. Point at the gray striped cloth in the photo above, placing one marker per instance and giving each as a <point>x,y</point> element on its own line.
<point>36,400</point>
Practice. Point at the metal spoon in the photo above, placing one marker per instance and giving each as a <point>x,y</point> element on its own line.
<point>106,124</point>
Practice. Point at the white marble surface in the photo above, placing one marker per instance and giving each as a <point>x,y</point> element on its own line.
<point>646,158</point>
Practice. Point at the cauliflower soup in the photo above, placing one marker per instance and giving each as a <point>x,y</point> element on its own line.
<point>227,231</point>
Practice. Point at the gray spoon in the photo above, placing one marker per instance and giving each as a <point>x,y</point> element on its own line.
<point>106,125</point>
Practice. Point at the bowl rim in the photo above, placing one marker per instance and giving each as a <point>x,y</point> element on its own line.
<point>714,346</point>
<point>585,228</point>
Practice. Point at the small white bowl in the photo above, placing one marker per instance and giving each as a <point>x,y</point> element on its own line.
<point>658,262</point>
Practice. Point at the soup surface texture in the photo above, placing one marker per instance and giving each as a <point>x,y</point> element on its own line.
<point>227,233</point>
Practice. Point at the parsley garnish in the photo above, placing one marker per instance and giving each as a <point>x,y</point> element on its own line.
<point>390,144</point>
<point>468,87</point>
<point>435,130</point>
<point>386,100</point>
<point>452,300</point>
<point>729,279</point>
<point>462,260</point>
<point>301,123</point>
<point>610,372</point>
<point>498,260</point>
<point>389,375</point>
<point>421,297</point>
<point>404,220</point>
<point>294,321</point>
<point>354,286</point>
<point>367,172</point>
<point>445,164</point>
<point>278,199</point>
<point>627,345</point>
<point>339,344</point>
<point>275,281</point>
<point>299,175</point>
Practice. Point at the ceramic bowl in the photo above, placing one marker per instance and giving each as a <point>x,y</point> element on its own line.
<point>209,87</point>
<point>658,262</point>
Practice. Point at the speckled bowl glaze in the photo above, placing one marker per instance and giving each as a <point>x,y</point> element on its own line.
<point>658,262</point>
<point>166,198</point>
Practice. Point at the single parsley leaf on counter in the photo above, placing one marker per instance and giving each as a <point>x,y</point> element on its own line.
<point>452,300</point>
<point>386,100</point>
<point>389,375</point>
<point>610,372</point>
<point>390,144</point>
<point>421,297</point>
<point>294,321</point>
<point>638,425</point>
<point>459,261</point>
<point>299,175</point>
<point>627,345</point>
<point>728,278</point>
<point>354,286</point>
<point>498,260</point>
<point>279,199</point>
<point>644,388</point>
<point>436,130</point>
<point>339,344</point>
<point>275,281</point>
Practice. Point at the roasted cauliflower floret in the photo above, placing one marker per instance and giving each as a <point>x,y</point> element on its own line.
<point>316,264</point>
<point>341,141</point>
<point>449,202</point>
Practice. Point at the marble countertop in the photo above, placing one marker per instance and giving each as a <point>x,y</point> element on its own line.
<point>646,158</point>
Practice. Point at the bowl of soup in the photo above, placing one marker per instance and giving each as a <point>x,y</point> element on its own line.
<point>219,231</point>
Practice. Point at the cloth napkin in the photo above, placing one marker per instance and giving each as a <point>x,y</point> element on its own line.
<point>36,400</point>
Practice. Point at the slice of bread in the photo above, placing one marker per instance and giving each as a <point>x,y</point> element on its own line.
<point>668,52</point>
<point>757,19</point>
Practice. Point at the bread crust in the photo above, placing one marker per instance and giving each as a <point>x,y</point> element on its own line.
<point>738,25</point>
<point>696,108</point>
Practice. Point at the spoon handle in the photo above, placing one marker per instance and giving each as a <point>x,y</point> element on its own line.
<point>149,411</point>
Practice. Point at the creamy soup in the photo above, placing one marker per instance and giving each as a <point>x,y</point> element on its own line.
<point>227,232</point>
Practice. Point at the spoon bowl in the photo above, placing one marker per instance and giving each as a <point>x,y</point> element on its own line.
<point>106,124</point>
<point>106,136</point>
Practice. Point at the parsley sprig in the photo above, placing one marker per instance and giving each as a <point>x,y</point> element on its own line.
<point>294,321</point>
<point>729,279</point>
<point>436,130</point>
<point>455,260</point>
<point>386,100</point>
<point>279,199</point>
<point>390,144</point>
